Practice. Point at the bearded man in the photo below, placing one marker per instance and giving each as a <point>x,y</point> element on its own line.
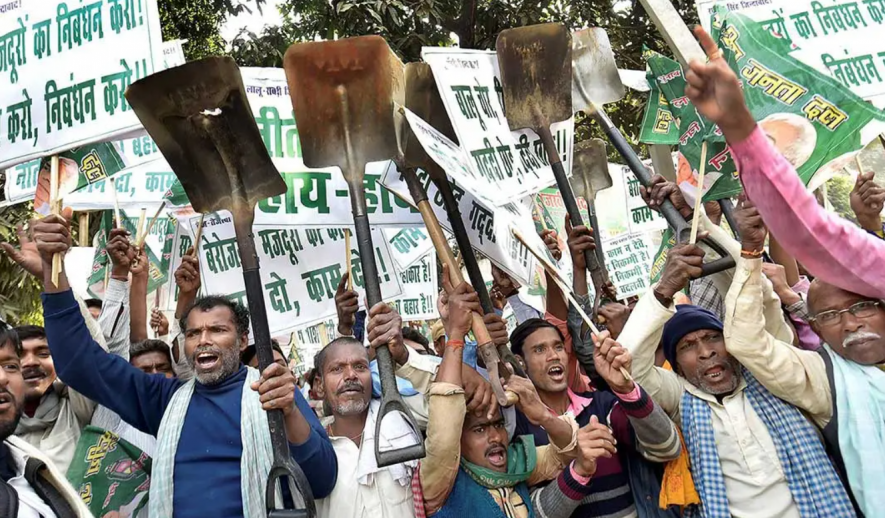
<point>211,430</point>
<point>30,485</point>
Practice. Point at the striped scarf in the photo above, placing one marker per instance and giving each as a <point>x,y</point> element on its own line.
<point>255,463</point>
<point>816,489</point>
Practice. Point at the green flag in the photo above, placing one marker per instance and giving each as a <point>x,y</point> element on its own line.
<point>157,269</point>
<point>111,475</point>
<point>659,125</point>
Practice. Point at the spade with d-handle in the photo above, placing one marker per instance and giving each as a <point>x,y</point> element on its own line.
<point>200,119</point>
<point>423,99</point>
<point>589,176</point>
<point>536,72</point>
<point>596,82</point>
<point>343,93</point>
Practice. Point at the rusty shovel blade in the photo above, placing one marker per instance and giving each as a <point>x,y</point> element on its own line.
<point>536,71</point>
<point>596,79</point>
<point>199,117</point>
<point>422,98</point>
<point>343,93</point>
<point>590,170</point>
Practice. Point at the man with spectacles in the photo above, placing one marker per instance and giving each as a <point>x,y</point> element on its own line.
<point>751,453</point>
<point>841,386</point>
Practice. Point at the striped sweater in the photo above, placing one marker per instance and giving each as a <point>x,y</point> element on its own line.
<point>638,423</point>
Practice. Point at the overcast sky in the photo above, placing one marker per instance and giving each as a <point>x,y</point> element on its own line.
<point>253,22</point>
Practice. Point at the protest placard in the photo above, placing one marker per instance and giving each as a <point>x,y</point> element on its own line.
<point>487,227</point>
<point>142,186</point>
<point>841,39</point>
<point>65,69</point>
<point>420,290</point>
<point>308,340</point>
<point>407,245</point>
<point>300,268</point>
<point>628,259</point>
<point>502,165</point>
<point>640,217</point>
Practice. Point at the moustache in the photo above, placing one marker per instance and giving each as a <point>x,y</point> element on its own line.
<point>704,366</point>
<point>495,446</point>
<point>351,385</point>
<point>7,395</point>
<point>33,372</point>
<point>858,337</point>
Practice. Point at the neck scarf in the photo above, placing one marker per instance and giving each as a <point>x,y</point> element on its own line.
<point>255,463</point>
<point>45,416</point>
<point>816,489</point>
<point>860,408</point>
<point>521,461</point>
<point>677,486</point>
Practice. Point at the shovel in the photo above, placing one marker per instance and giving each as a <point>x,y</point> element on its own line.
<point>200,119</point>
<point>343,93</point>
<point>423,99</point>
<point>596,82</point>
<point>589,176</point>
<point>536,69</point>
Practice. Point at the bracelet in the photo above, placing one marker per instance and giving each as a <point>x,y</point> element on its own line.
<point>755,254</point>
<point>455,344</point>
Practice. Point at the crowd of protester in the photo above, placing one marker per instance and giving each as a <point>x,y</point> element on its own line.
<point>755,392</point>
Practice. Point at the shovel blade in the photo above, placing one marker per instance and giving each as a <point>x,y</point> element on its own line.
<point>199,117</point>
<point>343,93</point>
<point>590,170</point>
<point>595,76</point>
<point>536,69</point>
<point>423,99</point>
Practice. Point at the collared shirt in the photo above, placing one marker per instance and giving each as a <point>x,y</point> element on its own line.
<point>754,479</point>
<point>798,377</point>
<point>30,505</point>
<point>827,245</point>
<point>382,497</point>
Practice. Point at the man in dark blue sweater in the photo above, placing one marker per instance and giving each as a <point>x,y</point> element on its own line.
<point>207,459</point>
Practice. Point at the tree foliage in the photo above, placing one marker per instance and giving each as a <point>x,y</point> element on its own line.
<point>199,22</point>
<point>408,25</point>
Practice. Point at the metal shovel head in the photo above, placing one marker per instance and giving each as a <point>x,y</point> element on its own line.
<point>595,77</point>
<point>423,99</point>
<point>199,117</point>
<point>590,170</point>
<point>343,93</point>
<point>536,69</point>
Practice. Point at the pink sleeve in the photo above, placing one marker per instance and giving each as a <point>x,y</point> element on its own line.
<point>829,247</point>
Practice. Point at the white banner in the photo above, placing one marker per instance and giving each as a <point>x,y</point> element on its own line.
<point>628,259</point>
<point>420,290</point>
<point>842,40</point>
<point>642,218</point>
<point>300,268</point>
<point>137,187</point>
<point>65,67</point>
<point>487,227</point>
<point>503,165</point>
<point>408,245</point>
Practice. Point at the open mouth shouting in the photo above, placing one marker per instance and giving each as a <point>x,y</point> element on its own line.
<point>207,360</point>
<point>496,454</point>
<point>556,373</point>
<point>6,402</point>
<point>715,373</point>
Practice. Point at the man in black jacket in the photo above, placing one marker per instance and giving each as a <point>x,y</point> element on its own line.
<point>30,486</point>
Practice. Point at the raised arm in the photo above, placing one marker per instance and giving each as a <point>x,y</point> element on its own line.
<point>115,311</point>
<point>798,377</point>
<point>656,435</point>
<point>828,246</point>
<point>447,403</point>
<point>81,363</point>
<point>138,330</point>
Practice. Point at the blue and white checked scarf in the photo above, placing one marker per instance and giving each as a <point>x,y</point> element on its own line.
<point>255,463</point>
<point>813,482</point>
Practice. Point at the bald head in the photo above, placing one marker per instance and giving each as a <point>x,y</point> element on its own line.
<point>857,335</point>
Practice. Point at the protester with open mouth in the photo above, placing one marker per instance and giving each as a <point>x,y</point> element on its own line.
<point>847,366</point>
<point>211,431</point>
<point>752,454</point>
<point>472,467</point>
<point>30,484</point>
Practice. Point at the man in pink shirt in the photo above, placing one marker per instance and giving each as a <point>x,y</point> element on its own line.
<point>828,246</point>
